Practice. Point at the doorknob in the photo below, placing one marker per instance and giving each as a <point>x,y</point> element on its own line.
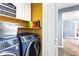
<point>56,40</point>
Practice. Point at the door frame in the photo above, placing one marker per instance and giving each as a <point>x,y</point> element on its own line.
<point>63,10</point>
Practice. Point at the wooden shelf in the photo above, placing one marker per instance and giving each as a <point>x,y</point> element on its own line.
<point>22,24</point>
<point>34,28</point>
<point>13,20</point>
<point>21,27</point>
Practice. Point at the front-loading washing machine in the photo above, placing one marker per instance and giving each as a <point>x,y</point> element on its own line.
<point>28,44</point>
<point>9,46</point>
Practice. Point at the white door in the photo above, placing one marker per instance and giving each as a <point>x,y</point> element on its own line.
<point>49,47</point>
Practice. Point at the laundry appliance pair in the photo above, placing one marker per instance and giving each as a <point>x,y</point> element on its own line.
<point>25,44</point>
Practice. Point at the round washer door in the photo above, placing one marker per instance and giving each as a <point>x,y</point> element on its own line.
<point>7,54</point>
<point>31,50</point>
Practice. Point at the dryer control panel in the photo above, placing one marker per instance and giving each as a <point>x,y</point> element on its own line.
<point>26,38</point>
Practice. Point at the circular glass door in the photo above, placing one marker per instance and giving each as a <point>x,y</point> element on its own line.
<point>31,50</point>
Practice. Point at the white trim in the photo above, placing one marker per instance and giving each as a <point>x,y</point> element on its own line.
<point>44,30</point>
<point>62,35</point>
<point>75,30</point>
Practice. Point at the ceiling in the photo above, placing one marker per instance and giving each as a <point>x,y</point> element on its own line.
<point>72,16</point>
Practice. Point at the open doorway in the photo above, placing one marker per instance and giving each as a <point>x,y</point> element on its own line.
<point>68,31</point>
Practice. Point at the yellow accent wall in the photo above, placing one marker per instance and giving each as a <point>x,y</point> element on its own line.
<point>36,12</point>
<point>37,15</point>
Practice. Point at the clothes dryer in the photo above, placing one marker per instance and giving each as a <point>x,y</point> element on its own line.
<point>28,44</point>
